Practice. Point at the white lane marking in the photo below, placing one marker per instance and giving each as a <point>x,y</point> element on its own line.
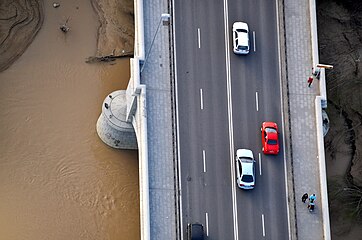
<point>204,159</point>
<point>254,41</point>
<point>201,99</point>
<point>260,164</point>
<point>147,231</point>
<point>207,223</point>
<point>230,121</point>
<point>262,222</point>
<point>199,37</point>
<point>282,107</point>
<point>257,101</point>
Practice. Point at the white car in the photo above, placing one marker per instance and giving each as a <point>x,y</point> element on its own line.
<point>241,38</point>
<point>245,169</point>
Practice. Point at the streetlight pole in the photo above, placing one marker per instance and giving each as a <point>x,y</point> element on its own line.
<point>164,17</point>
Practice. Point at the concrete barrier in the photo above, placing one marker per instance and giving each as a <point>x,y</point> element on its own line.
<point>319,102</point>
<point>137,114</point>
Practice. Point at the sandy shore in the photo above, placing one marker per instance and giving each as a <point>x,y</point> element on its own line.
<point>116,31</point>
<point>21,20</point>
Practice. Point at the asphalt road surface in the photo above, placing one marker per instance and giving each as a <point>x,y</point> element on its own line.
<point>223,99</point>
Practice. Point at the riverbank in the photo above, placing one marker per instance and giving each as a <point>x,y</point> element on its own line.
<point>21,21</point>
<point>340,41</point>
<point>116,31</point>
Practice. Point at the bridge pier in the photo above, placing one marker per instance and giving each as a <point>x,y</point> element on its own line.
<point>112,125</point>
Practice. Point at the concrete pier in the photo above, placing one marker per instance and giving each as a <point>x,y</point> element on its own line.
<point>112,126</point>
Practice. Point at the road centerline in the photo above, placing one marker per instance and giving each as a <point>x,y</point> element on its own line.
<point>230,120</point>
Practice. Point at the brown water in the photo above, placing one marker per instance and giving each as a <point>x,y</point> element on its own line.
<point>57,179</point>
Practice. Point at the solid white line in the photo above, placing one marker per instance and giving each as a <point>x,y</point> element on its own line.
<point>204,160</point>
<point>230,121</point>
<point>262,222</point>
<point>177,128</point>
<point>199,37</point>
<point>254,44</point>
<point>282,107</point>
<point>260,164</point>
<point>201,99</point>
<point>257,102</point>
<point>207,224</point>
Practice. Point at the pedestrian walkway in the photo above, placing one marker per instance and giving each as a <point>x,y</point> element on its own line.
<point>303,126</point>
<point>156,75</point>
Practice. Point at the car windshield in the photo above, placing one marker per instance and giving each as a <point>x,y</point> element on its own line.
<point>272,142</point>
<point>270,130</point>
<point>242,47</point>
<point>247,178</point>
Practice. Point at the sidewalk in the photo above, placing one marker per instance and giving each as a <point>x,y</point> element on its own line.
<point>303,126</point>
<point>156,76</point>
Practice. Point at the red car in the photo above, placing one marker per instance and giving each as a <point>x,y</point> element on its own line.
<point>269,138</point>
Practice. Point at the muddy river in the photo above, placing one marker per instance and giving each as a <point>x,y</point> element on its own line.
<point>57,179</point>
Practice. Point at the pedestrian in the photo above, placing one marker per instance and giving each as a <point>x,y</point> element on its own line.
<point>311,203</point>
<point>311,206</point>
<point>304,197</point>
<point>310,80</point>
<point>312,198</point>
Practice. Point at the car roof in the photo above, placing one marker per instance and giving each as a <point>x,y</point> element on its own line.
<point>272,135</point>
<point>197,231</point>
<point>247,167</point>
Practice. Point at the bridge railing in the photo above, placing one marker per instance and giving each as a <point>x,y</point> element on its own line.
<point>320,103</point>
<point>137,114</point>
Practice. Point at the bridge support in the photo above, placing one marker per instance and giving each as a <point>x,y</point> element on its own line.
<point>112,126</point>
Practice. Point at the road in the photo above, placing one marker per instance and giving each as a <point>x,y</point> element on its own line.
<point>222,100</point>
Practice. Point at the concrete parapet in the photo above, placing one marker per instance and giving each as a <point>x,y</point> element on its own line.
<point>320,102</point>
<point>133,88</point>
<point>123,122</point>
<point>322,169</point>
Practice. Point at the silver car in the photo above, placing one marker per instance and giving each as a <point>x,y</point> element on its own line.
<point>245,169</point>
<point>241,38</point>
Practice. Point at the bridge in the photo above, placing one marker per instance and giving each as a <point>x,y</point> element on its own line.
<point>144,117</point>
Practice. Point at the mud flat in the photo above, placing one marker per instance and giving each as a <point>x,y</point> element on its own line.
<point>20,21</point>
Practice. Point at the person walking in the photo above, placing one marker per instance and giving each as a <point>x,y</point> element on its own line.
<point>311,204</point>
<point>304,197</point>
<point>310,80</point>
<point>312,198</point>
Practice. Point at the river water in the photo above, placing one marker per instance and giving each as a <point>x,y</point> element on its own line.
<point>57,179</point>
